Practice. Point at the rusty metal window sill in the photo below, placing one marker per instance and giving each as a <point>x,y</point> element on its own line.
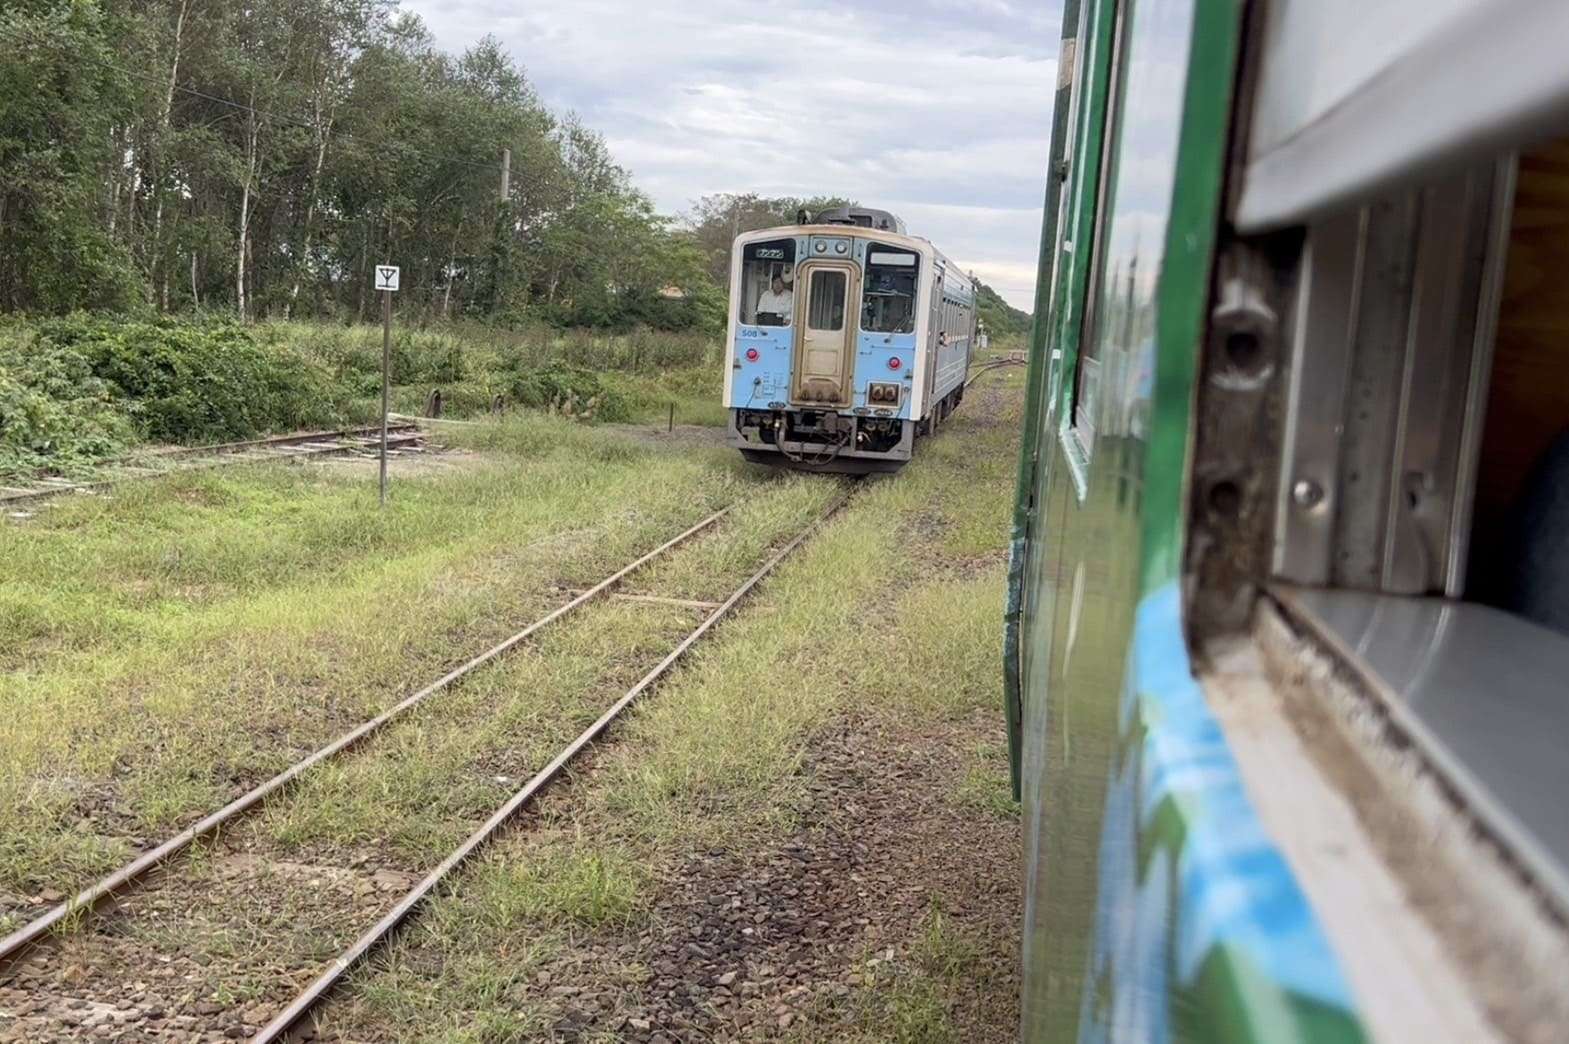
<point>1483,697</point>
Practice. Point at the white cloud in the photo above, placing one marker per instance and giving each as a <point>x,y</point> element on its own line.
<point>936,109</point>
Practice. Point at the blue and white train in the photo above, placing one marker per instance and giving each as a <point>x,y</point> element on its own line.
<point>848,338</point>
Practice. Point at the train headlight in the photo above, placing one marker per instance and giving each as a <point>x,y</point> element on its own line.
<point>751,355</point>
<point>895,363</point>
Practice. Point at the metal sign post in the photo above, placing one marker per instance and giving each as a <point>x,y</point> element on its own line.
<point>387,283</point>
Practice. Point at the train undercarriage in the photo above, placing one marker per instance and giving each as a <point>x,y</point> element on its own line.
<point>832,442</point>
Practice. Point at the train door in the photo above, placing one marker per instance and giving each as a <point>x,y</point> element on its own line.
<point>934,340</point>
<point>823,349</point>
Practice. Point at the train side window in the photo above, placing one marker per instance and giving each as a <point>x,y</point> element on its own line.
<point>888,301</point>
<point>1420,523</point>
<point>1079,416</point>
<point>761,263</point>
<point>1150,55</point>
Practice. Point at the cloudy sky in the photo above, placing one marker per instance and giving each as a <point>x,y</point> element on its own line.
<point>938,110</point>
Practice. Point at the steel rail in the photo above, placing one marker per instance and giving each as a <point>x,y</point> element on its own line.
<point>84,901</point>
<point>364,431</point>
<point>996,364</point>
<point>323,984</point>
<point>408,432</point>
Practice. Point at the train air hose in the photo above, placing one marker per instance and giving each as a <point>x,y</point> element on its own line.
<point>817,460</point>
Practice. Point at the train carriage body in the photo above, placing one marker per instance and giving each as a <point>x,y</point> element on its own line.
<point>1288,618</point>
<point>847,340</point>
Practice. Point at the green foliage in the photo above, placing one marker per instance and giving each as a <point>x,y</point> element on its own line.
<point>78,389</point>
<point>194,382</point>
<point>1000,317</point>
<point>569,391</point>
<point>55,413</point>
<point>60,103</point>
<point>302,142</point>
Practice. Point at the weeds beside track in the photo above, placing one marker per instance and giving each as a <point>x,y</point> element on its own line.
<point>163,462</point>
<point>703,560</point>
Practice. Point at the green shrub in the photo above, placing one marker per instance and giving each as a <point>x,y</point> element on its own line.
<point>55,415</point>
<point>77,389</point>
<point>183,381</point>
<point>569,390</point>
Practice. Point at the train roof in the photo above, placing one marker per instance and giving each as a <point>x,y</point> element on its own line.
<point>909,242</point>
<point>861,217</point>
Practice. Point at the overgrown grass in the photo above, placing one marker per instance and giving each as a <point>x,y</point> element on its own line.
<point>571,882</point>
<point>201,632</point>
<point>430,781</point>
<point>986,788</point>
<point>890,612</point>
<point>633,377</point>
<point>207,629</point>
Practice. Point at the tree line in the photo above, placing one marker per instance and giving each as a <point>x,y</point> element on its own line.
<point>260,156</point>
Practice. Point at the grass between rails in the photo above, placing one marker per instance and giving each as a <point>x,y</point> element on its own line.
<point>168,647</point>
<point>891,613</point>
<point>435,778</point>
<point>405,801</point>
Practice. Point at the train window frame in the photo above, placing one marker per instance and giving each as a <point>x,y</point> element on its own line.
<point>1401,573</point>
<point>1082,147</point>
<point>914,270</point>
<point>1078,420</point>
<point>1077,449</point>
<point>751,291</point>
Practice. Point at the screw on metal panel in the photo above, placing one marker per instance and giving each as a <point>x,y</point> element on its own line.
<point>1307,494</point>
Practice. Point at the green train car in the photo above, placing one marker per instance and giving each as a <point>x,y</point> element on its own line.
<point>1287,639</point>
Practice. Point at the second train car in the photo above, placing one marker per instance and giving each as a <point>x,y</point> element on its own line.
<point>848,338</point>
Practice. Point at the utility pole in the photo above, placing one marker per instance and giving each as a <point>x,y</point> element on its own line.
<point>506,174</point>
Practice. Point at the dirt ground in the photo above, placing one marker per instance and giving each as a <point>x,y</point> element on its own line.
<point>890,895</point>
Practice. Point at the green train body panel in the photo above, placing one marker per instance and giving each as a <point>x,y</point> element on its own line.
<point>1157,908</point>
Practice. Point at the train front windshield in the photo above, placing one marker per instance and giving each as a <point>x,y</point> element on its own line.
<point>888,302</point>
<point>767,283</point>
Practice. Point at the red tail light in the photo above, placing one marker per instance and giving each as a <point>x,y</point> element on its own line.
<point>751,355</point>
<point>894,363</point>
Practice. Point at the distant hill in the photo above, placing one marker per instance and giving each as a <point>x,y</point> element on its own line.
<point>1000,317</point>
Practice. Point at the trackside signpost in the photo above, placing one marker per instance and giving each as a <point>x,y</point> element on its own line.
<point>387,283</point>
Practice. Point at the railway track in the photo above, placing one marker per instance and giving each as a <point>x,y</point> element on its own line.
<point>173,460</point>
<point>1012,359</point>
<point>68,915</point>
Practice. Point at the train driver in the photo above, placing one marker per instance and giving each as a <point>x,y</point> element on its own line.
<point>775,304</point>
